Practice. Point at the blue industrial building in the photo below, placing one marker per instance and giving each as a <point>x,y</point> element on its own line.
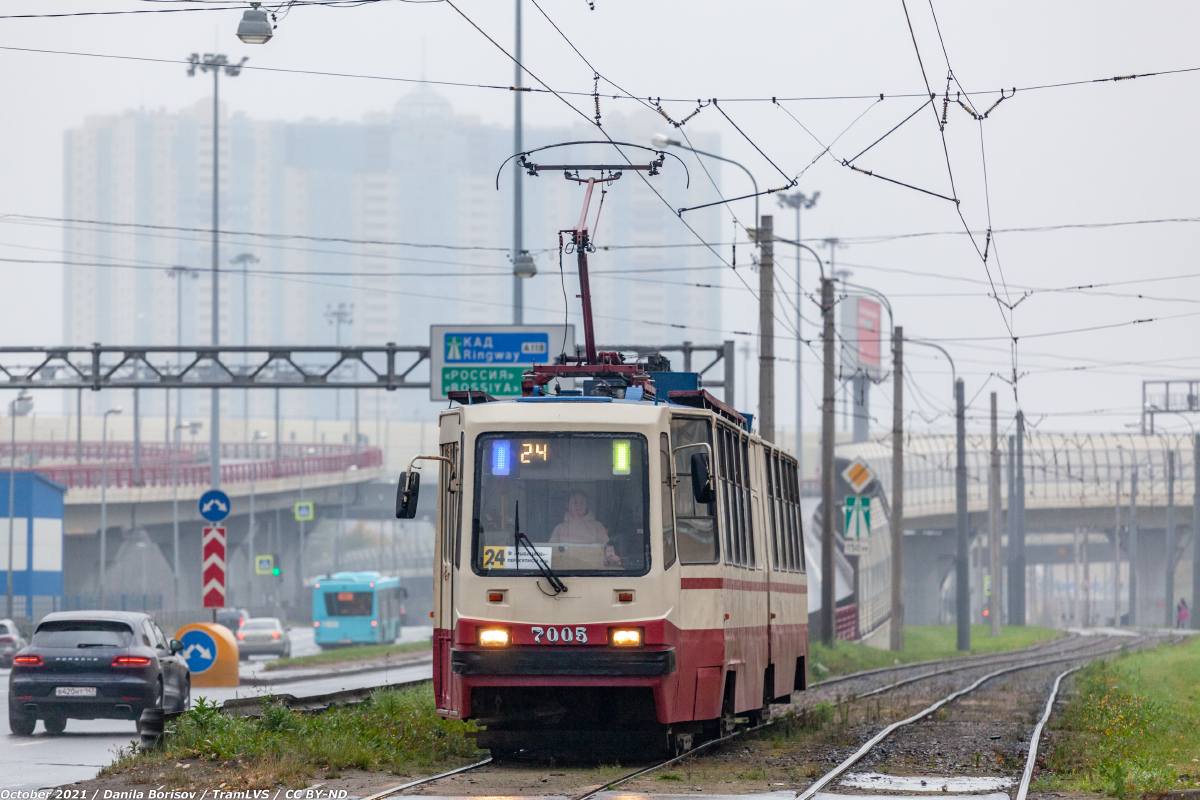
<point>37,549</point>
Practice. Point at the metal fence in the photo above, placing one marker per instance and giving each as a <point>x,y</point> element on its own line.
<point>160,470</point>
<point>1060,469</point>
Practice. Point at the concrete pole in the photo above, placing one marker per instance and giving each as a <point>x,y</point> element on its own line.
<point>1010,522</point>
<point>729,358</point>
<point>994,525</point>
<point>1169,578</point>
<point>962,609</point>
<point>175,514</point>
<point>1195,609</point>
<point>12,484</point>
<point>800,361</point>
<point>1016,544</point>
<point>1116,576</point>
<point>766,326</point>
<point>897,522</point>
<point>214,431</point>
<point>137,438</point>
<point>1076,579</point>
<point>518,200</point>
<point>103,506</point>
<point>1133,546</point>
<point>827,434</point>
<point>1087,581</point>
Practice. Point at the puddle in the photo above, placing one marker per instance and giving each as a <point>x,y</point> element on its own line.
<point>924,783</point>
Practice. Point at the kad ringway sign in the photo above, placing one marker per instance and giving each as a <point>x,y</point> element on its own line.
<point>491,358</point>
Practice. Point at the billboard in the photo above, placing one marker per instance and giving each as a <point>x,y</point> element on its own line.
<point>860,333</point>
<point>491,358</point>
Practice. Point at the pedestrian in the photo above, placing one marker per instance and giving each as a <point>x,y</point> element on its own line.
<point>1184,614</point>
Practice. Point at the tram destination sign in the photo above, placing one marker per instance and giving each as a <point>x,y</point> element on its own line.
<point>491,358</point>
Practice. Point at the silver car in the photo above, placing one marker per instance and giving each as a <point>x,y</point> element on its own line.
<point>10,642</point>
<point>261,636</point>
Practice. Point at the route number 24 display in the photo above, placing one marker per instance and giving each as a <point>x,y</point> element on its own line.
<point>559,635</point>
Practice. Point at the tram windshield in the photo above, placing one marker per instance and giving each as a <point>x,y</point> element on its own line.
<point>582,500</point>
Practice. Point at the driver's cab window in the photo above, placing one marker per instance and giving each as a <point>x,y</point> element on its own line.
<point>450,507</point>
<point>695,524</point>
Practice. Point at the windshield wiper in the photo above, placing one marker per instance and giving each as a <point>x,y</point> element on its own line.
<point>521,539</point>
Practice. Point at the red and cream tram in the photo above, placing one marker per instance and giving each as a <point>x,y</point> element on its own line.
<point>619,569</point>
<point>581,589</point>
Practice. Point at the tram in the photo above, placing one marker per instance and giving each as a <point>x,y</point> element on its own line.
<point>619,567</point>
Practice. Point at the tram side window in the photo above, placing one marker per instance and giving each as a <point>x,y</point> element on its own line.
<point>668,513</point>
<point>771,457</point>
<point>747,505</point>
<point>791,483</point>
<point>735,495</point>
<point>695,525</point>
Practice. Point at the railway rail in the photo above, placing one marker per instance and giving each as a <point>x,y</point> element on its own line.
<point>1059,651</point>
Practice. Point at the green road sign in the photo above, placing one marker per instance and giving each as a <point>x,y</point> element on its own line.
<point>499,382</point>
<point>304,511</point>
<point>264,565</point>
<point>858,517</point>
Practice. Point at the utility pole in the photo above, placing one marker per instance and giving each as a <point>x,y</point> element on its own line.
<point>993,602</point>
<point>765,236</point>
<point>897,522</point>
<point>1016,538</point>
<point>519,254</point>
<point>1116,576</point>
<point>1133,546</point>
<point>1195,609</point>
<point>214,64</point>
<point>827,433</point>
<point>962,610</point>
<point>798,201</point>
<point>1169,578</point>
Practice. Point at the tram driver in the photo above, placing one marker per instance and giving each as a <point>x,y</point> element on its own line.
<point>580,527</point>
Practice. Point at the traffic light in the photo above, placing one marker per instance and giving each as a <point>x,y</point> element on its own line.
<point>275,572</point>
<point>275,566</point>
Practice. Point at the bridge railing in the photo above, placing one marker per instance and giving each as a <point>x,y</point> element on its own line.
<point>1060,469</point>
<point>162,472</point>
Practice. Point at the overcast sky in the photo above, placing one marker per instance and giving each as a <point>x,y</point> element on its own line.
<point>1095,153</point>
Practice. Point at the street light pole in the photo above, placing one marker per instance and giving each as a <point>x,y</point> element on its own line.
<point>104,501</point>
<point>22,402</point>
<point>342,315</point>
<point>258,437</point>
<point>245,260</point>
<point>798,201</point>
<point>661,140</point>
<point>214,64</point>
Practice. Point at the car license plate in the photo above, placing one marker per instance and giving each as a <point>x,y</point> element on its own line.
<point>75,691</point>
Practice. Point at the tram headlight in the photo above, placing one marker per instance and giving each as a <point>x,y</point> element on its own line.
<point>493,637</point>
<point>625,637</point>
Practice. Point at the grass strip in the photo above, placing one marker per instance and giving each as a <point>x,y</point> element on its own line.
<point>1131,726</point>
<point>921,643</point>
<point>346,655</point>
<point>396,731</point>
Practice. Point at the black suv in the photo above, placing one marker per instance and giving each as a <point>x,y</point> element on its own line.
<point>95,665</point>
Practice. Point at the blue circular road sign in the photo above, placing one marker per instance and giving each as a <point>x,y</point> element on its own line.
<point>214,505</point>
<point>199,650</point>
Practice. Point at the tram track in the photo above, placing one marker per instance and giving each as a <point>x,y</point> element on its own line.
<point>1060,651</point>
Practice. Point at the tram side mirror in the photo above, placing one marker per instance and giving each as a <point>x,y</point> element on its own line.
<point>406,495</point>
<point>702,482</point>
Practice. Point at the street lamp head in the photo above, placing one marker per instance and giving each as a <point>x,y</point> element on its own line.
<point>523,266</point>
<point>662,140</point>
<point>113,410</point>
<point>255,27</point>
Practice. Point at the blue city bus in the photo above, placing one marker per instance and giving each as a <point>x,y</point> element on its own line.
<point>357,608</point>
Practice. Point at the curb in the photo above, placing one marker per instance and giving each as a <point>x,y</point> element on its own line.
<point>308,676</point>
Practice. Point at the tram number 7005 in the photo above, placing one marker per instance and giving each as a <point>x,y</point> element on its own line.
<point>557,635</point>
